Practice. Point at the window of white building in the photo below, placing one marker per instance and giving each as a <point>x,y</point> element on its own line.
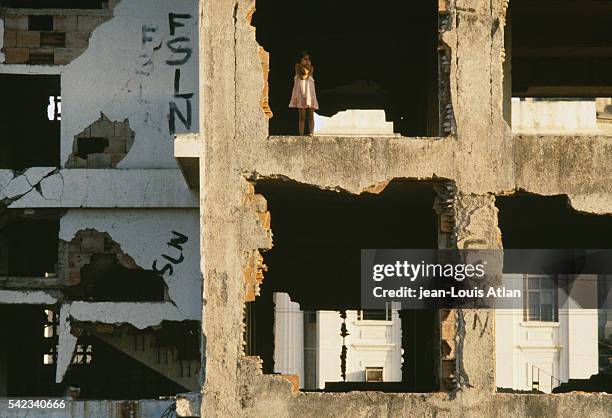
<point>374,374</point>
<point>540,299</point>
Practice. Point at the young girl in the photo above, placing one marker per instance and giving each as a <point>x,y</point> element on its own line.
<point>304,97</point>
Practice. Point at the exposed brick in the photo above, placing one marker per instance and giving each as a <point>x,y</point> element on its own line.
<point>116,145</point>
<point>125,260</point>
<point>88,23</point>
<point>99,161</point>
<point>102,128</point>
<point>86,133</point>
<point>123,129</point>
<point>76,260</point>
<point>16,22</point>
<point>64,23</point>
<point>28,39</point>
<point>264,218</point>
<point>257,202</point>
<point>116,159</point>
<point>74,277</point>
<point>66,55</point>
<point>54,39</point>
<point>295,382</point>
<point>41,56</point>
<point>10,38</point>
<point>93,243</point>
<point>16,55</point>
<point>76,39</point>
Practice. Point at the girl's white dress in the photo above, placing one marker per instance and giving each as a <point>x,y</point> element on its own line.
<point>304,95</point>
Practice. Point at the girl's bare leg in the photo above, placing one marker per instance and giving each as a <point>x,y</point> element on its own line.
<point>311,120</point>
<point>302,120</point>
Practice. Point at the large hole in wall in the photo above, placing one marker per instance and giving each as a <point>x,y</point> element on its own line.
<point>23,347</point>
<point>29,243</point>
<point>99,271</point>
<point>550,344</point>
<point>29,121</point>
<point>127,363</point>
<point>307,319</point>
<point>102,144</point>
<point>558,57</point>
<point>109,362</point>
<point>364,57</point>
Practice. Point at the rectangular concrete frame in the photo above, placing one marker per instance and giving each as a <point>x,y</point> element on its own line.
<point>481,156</point>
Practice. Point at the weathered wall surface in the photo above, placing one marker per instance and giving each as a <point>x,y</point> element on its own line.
<point>482,158</point>
<point>572,165</point>
<point>135,67</point>
<point>130,81</point>
<point>141,65</point>
<point>41,187</point>
<point>144,235</point>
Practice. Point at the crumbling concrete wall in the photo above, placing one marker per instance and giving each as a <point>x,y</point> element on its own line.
<point>145,60</point>
<point>128,81</point>
<point>103,144</point>
<point>478,153</point>
<point>139,64</point>
<point>165,241</point>
<point>64,39</point>
<point>70,188</point>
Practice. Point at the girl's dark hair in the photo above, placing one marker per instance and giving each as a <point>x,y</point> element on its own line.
<point>302,54</point>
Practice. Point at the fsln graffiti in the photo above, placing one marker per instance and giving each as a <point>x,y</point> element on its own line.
<point>175,242</point>
<point>181,49</point>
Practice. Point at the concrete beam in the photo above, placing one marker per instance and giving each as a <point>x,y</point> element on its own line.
<point>112,188</point>
<point>187,154</point>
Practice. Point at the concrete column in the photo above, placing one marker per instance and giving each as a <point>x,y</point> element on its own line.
<point>220,198</point>
<point>476,228</point>
<point>477,77</point>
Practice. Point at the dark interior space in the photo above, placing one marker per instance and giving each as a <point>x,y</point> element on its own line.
<point>113,374</point>
<point>22,347</point>
<point>364,57</point>
<point>104,279</point>
<point>54,4</point>
<point>29,244</point>
<point>86,146</point>
<point>40,23</point>
<point>98,370</point>
<point>561,48</point>
<point>27,137</point>
<point>532,221</point>
<point>318,235</point>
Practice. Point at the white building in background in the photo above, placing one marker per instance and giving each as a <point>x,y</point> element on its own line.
<point>548,340</point>
<point>554,116</point>
<point>309,344</point>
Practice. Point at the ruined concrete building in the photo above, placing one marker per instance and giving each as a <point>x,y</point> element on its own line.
<point>161,225</point>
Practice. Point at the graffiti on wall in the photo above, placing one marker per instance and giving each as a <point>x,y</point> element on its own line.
<point>175,242</point>
<point>181,51</point>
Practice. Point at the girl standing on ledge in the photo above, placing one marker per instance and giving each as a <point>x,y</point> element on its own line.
<point>304,97</point>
